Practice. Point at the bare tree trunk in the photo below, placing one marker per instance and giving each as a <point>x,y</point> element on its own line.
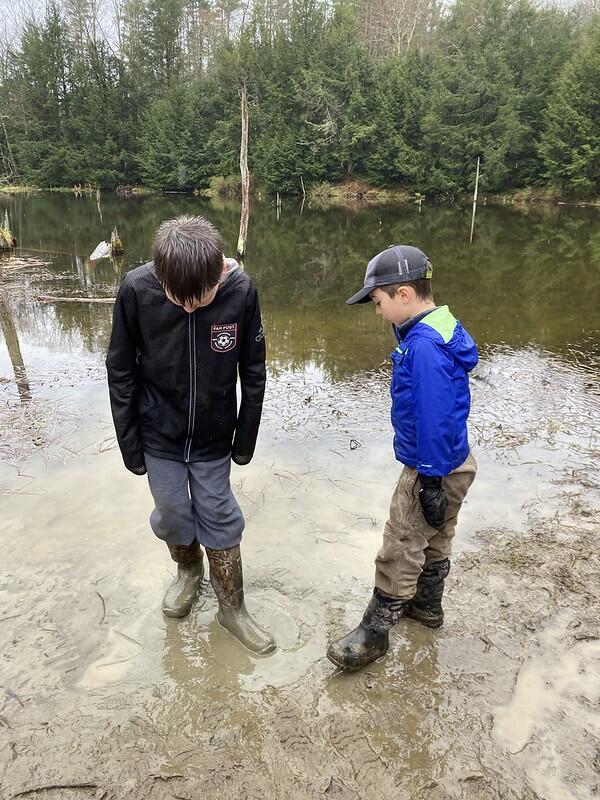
<point>241,245</point>
<point>8,157</point>
<point>475,201</point>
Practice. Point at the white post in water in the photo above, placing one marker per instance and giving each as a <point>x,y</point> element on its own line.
<point>475,200</point>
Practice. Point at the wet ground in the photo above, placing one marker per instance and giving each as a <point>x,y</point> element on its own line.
<point>101,697</point>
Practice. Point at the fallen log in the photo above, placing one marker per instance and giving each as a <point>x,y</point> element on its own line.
<point>47,298</point>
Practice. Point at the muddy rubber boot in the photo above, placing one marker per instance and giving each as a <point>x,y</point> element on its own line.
<point>228,582</point>
<point>426,605</point>
<point>370,640</point>
<point>185,586</point>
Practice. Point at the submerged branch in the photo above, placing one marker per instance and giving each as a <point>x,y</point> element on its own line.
<point>46,298</point>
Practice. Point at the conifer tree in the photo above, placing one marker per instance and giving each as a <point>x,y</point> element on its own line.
<point>570,145</point>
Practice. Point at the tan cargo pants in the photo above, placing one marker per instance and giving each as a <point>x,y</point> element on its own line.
<point>409,543</point>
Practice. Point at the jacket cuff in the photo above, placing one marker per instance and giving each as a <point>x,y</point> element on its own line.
<point>246,432</point>
<point>430,480</point>
<point>139,470</point>
<point>133,458</point>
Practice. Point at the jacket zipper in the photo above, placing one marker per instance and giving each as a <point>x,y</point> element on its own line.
<point>192,406</point>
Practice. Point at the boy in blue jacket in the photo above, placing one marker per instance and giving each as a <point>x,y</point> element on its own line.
<point>430,406</point>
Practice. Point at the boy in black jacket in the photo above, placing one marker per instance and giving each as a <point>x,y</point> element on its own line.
<point>184,326</point>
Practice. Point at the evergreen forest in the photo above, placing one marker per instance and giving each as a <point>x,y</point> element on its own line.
<point>395,93</point>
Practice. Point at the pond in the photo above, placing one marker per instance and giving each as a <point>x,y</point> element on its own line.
<point>530,276</point>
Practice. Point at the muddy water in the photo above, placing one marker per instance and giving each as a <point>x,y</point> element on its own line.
<point>102,696</point>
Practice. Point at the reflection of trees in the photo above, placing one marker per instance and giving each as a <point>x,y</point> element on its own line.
<point>66,326</point>
<point>531,277</point>
<point>11,338</point>
<point>348,341</point>
<point>65,224</point>
<point>527,276</point>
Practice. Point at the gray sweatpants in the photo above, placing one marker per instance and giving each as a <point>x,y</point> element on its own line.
<point>194,501</point>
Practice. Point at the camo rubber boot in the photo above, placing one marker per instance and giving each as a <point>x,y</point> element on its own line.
<point>185,586</point>
<point>227,580</point>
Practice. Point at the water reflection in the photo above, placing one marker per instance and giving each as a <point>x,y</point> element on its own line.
<point>11,337</point>
<point>529,276</point>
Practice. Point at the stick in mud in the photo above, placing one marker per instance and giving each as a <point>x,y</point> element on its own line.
<point>102,600</point>
<point>50,786</point>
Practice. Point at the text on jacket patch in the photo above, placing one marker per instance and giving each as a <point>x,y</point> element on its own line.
<point>223,337</point>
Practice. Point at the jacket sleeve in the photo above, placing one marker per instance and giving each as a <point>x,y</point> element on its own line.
<point>434,406</point>
<point>121,365</point>
<point>253,377</point>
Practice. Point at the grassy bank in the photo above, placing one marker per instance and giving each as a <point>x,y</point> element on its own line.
<point>539,195</point>
<point>357,192</point>
<point>346,193</point>
<point>26,189</point>
<point>18,189</point>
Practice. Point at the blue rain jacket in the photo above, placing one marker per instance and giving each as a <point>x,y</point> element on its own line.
<point>430,392</point>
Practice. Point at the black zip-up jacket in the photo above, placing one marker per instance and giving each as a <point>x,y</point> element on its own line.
<point>172,375</point>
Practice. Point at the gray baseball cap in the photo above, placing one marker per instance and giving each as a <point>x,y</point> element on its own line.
<point>399,263</point>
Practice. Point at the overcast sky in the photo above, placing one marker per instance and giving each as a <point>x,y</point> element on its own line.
<point>15,12</point>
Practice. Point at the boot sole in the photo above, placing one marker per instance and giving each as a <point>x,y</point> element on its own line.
<point>355,668</point>
<point>344,667</point>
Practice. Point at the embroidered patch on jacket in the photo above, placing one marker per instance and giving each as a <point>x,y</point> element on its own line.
<point>223,337</point>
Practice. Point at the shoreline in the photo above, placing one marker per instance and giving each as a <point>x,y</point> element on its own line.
<point>348,194</point>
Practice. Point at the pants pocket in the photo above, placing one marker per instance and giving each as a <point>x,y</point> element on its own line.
<point>406,495</point>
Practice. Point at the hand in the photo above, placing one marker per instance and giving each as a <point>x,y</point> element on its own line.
<point>240,459</point>
<point>433,501</point>
<point>141,470</point>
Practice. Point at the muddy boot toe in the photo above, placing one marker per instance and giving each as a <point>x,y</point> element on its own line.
<point>183,590</point>
<point>241,625</point>
<point>370,640</point>
<point>358,648</point>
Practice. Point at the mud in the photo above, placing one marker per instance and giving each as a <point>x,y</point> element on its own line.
<point>101,693</point>
<point>102,697</point>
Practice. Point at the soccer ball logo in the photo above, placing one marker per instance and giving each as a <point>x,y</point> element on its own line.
<point>223,341</point>
<point>223,337</point>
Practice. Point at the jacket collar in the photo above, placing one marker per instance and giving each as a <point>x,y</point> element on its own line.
<point>401,331</point>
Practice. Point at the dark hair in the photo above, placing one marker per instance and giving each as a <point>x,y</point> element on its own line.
<point>188,257</point>
<point>422,288</point>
